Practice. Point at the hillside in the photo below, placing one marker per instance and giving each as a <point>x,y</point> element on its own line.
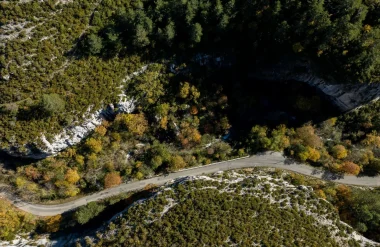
<point>61,61</point>
<point>96,93</point>
<point>228,209</point>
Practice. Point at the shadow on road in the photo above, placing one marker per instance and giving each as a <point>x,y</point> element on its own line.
<point>290,161</point>
<point>332,176</point>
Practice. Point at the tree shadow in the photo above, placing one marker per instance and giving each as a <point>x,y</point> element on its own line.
<point>331,176</point>
<point>30,113</point>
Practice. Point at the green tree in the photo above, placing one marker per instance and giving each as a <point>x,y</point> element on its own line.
<point>94,44</point>
<point>196,33</point>
<point>85,213</point>
<point>169,33</point>
<point>52,104</point>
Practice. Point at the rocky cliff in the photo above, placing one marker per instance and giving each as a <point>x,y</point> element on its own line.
<point>344,96</point>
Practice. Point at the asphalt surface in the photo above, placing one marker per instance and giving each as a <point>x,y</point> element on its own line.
<point>269,159</point>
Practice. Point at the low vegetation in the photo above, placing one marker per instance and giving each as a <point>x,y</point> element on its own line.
<point>226,209</point>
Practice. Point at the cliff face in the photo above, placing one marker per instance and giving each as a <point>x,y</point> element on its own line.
<point>345,97</point>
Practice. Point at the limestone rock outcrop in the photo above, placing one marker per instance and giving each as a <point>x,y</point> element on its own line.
<point>345,96</point>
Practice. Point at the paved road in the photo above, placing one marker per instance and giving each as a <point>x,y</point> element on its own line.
<point>270,159</point>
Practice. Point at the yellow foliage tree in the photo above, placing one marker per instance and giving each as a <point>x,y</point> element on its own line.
<point>67,189</point>
<point>72,176</point>
<point>20,182</point>
<point>188,91</point>
<point>184,90</point>
<point>71,191</point>
<point>320,193</point>
<point>314,154</point>
<point>372,140</point>
<point>309,154</point>
<point>339,152</point>
<point>101,130</point>
<point>79,159</point>
<point>176,163</point>
<point>53,223</point>
<point>135,123</point>
<point>70,152</point>
<point>12,220</point>
<point>139,175</point>
<point>94,145</point>
<point>164,122</point>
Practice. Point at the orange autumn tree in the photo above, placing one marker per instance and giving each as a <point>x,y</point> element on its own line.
<point>189,136</point>
<point>350,168</point>
<point>112,179</point>
<point>308,137</point>
<point>32,173</point>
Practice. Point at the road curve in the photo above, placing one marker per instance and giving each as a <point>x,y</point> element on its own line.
<point>268,159</point>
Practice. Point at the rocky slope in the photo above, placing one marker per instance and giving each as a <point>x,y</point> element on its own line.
<point>258,208</point>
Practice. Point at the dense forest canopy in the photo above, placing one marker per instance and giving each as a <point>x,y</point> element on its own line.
<point>344,33</point>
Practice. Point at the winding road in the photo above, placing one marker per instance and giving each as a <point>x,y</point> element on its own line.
<point>268,159</point>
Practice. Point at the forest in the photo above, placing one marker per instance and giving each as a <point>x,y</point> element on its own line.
<point>195,103</point>
<point>71,51</point>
